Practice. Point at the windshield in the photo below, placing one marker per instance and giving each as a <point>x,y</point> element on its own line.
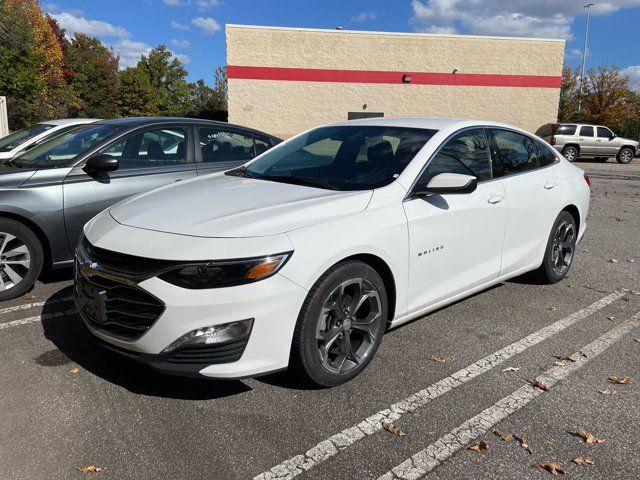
<point>11,141</point>
<point>341,158</point>
<point>63,148</point>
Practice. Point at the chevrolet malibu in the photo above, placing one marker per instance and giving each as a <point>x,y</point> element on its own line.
<point>303,257</point>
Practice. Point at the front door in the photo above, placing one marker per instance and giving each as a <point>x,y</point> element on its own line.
<point>147,159</point>
<point>587,140</point>
<point>606,144</point>
<point>455,240</point>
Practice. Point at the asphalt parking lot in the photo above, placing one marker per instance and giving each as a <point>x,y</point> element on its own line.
<point>445,381</point>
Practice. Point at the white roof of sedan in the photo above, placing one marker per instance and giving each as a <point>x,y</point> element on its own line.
<point>431,123</point>
<point>70,121</point>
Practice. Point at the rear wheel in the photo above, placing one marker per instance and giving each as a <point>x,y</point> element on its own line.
<point>561,247</point>
<point>570,153</point>
<point>341,325</point>
<point>625,155</point>
<point>21,259</point>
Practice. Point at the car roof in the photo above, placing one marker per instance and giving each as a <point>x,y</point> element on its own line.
<point>70,121</point>
<point>430,123</point>
<point>140,121</point>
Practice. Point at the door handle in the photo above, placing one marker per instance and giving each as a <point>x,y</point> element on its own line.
<point>495,198</point>
<point>549,185</point>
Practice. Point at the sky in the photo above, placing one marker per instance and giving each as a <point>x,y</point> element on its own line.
<point>194,29</point>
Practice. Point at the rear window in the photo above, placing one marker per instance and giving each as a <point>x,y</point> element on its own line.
<point>566,130</point>
<point>545,130</point>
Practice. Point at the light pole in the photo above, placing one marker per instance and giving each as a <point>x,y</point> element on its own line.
<point>584,55</point>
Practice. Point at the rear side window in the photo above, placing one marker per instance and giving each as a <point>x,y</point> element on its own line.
<point>586,131</point>
<point>566,130</point>
<point>545,154</point>
<point>218,145</point>
<point>517,152</point>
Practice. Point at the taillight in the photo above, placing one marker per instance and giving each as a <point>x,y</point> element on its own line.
<point>586,179</point>
<point>553,140</point>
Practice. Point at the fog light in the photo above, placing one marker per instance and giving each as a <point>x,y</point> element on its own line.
<point>213,335</point>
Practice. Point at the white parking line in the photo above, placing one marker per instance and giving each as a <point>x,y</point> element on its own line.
<point>446,446</point>
<point>326,449</point>
<point>37,318</point>
<point>27,306</point>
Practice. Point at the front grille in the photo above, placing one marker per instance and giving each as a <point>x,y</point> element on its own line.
<point>120,310</point>
<point>210,354</point>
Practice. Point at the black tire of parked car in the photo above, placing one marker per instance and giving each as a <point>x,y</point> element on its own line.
<point>625,155</point>
<point>23,234</point>
<point>548,271</point>
<point>306,360</point>
<point>570,153</point>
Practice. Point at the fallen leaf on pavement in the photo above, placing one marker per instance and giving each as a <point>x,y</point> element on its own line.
<point>524,443</point>
<point>90,469</point>
<point>607,391</point>
<point>552,467</point>
<point>589,437</point>
<point>511,369</point>
<point>508,437</point>
<point>540,385</point>
<point>638,339</point>
<point>75,370</point>
<point>29,296</point>
<point>496,431</point>
<point>391,427</point>
<point>611,318</point>
<point>582,461</point>
<point>613,260</point>
<point>478,447</point>
<point>441,358</point>
<point>563,358</point>
<point>620,380</point>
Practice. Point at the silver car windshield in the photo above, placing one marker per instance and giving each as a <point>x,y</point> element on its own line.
<point>64,148</point>
<point>348,157</point>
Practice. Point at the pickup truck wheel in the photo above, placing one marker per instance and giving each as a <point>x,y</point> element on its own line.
<point>21,259</point>
<point>625,155</point>
<point>570,153</point>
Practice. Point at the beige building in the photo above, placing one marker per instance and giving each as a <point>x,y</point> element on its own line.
<point>286,80</point>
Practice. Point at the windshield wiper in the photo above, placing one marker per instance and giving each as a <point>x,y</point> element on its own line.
<point>304,181</point>
<point>240,172</point>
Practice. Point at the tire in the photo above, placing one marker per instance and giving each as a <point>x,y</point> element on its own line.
<point>328,349</point>
<point>21,259</point>
<point>561,248</point>
<point>570,153</point>
<point>625,155</point>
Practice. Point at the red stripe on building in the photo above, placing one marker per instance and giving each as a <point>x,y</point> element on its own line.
<point>381,76</point>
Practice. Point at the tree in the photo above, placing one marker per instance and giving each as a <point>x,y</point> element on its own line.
<point>95,77</point>
<point>167,77</point>
<point>568,107</point>
<point>605,97</point>
<point>208,102</point>
<point>136,96</point>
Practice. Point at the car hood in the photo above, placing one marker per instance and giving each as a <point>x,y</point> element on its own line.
<point>229,206</point>
<point>11,177</point>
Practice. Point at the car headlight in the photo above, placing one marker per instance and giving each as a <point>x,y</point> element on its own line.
<point>225,273</point>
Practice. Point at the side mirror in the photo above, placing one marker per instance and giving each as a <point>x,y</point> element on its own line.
<point>101,163</point>
<point>449,183</point>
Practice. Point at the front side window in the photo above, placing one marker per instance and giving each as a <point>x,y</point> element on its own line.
<point>341,158</point>
<point>64,148</point>
<point>517,152</point>
<point>586,131</point>
<point>604,132</point>
<point>218,145</point>
<point>466,153</point>
<point>545,154</point>
<point>160,147</point>
<point>16,139</point>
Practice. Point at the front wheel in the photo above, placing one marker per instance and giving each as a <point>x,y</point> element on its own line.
<point>625,155</point>
<point>561,248</point>
<point>21,259</point>
<point>570,153</point>
<point>340,325</point>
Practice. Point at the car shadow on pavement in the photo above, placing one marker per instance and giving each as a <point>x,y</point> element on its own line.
<point>75,343</point>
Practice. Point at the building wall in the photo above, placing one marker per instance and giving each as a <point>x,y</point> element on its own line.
<point>321,75</point>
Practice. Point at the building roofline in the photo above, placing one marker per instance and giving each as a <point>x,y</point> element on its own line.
<point>405,34</point>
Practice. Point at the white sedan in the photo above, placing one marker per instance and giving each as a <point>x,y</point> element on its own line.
<point>20,141</point>
<point>303,257</point>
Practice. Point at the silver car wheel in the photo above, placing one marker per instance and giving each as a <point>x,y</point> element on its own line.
<point>570,154</point>
<point>626,156</point>
<point>15,261</point>
<point>345,331</point>
<point>562,248</point>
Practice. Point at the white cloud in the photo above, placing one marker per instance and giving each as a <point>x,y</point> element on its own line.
<point>177,3</point>
<point>633,72</point>
<point>79,24</point>
<point>576,53</point>
<point>180,43</point>
<point>543,18</point>
<point>179,26</point>
<point>204,5</point>
<point>207,25</point>
<point>130,51</point>
<point>50,7</point>
<point>185,59</point>
<point>364,16</point>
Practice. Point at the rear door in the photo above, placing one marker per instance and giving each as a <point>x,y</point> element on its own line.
<point>528,169</point>
<point>148,158</point>
<point>221,148</point>
<point>587,140</point>
<point>606,146</point>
